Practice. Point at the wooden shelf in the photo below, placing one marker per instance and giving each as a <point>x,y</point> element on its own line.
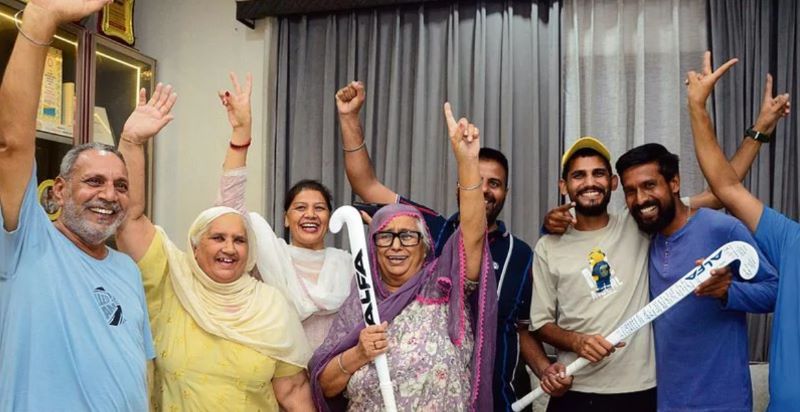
<point>54,137</point>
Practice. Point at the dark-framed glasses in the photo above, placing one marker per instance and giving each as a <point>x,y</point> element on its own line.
<point>407,238</point>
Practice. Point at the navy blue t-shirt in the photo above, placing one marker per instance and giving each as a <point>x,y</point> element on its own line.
<point>512,259</point>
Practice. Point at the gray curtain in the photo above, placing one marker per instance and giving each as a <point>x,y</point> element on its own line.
<point>764,36</point>
<point>496,62</point>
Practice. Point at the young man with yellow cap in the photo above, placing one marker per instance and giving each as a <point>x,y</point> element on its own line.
<point>592,276</point>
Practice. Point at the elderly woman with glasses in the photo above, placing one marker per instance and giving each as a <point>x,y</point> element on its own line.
<point>439,314</point>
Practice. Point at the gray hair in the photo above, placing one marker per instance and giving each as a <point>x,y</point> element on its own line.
<point>422,228</point>
<point>68,162</point>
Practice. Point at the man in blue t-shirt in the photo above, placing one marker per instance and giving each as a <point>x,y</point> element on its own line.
<point>512,257</point>
<point>701,342</point>
<point>74,330</point>
<point>777,235</point>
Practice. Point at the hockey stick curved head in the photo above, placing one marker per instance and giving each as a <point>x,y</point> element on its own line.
<point>729,253</point>
<point>344,215</point>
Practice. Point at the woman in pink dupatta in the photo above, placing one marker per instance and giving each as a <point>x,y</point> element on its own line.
<point>439,314</point>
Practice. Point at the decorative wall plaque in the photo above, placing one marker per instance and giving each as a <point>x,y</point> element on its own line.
<point>116,20</point>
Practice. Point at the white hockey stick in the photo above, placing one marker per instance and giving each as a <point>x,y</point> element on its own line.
<point>725,255</point>
<point>349,216</point>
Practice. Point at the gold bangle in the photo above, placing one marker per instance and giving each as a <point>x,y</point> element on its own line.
<point>341,367</point>
<point>477,186</point>
<point>18,23</point>
<point>355,149</point>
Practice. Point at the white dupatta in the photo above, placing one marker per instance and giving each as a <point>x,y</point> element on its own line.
<point>279,264</point>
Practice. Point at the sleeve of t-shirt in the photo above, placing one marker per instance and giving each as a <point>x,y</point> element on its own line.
<point>147,335</point>
<point>756,295</point>
<point>154,267</point>
<point>433,219</point>
<point>775,234</point>
<point>283,369</point>
<point>31,219</point>
<point>543,300</point>
<point>524,311</point>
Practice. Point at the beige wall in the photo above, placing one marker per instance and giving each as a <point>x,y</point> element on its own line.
<point>196,43</point>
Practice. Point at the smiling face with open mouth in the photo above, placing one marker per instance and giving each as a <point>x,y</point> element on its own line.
<point>94,197</point>
<point>221,251</point>
<point>307,219</point>
<point>650,198</point>
<point>589,183</point>
<point>399,263</point>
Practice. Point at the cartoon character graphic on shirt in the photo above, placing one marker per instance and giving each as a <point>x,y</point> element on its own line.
<point>600,276</point>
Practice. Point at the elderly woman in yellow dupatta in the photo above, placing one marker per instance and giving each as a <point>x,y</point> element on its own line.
<point>224,341</point>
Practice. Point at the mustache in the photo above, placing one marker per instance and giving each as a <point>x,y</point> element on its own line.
<point>103,204</point>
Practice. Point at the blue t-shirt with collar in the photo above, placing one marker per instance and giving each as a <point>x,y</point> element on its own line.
<point>74,330</point>
<point>512,262</point>
<point>701,344</point>
<point>779,239</point>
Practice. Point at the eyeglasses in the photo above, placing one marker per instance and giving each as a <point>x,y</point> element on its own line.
<point>407,238</point>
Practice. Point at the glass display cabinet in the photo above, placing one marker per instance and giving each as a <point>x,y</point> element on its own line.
<point>90,86</point>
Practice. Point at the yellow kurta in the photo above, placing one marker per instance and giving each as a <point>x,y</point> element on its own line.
<point>195,370</point>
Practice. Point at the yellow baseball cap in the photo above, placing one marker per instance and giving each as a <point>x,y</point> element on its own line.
<point>586,142</point>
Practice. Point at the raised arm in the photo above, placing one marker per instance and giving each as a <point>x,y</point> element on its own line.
<point>773,108</point>
<point>19,95</point>
<point>465,142</point>
<point>237,104</point>
<point>149,117</point>
<point>357,164</point>
<point>721,176</point>
<point>234,178</point>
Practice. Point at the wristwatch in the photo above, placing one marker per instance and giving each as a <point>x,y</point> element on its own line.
<point>757,136</point>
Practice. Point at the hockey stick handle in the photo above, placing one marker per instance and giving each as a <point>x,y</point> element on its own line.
<point>725,255</point>
<point>349,216</point>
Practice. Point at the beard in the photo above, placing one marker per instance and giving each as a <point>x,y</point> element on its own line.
<point>493,210</point>
<point>89,232</point>
<point>596,209</point>
<point>666,213</point>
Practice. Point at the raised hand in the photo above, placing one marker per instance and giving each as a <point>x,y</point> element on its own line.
<point>464,136</point>
<point>237,103</point>
<point>65,11</point>
<point>150,117</point>
<point>701,84</point>
<point>773,108</point>
<point>350,98</point>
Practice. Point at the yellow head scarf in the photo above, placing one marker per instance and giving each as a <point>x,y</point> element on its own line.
<point>245,311</point>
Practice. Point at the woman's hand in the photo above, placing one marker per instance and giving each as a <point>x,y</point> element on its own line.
<point>372,341</point>
<point>464,136</point>
<point>237,103</point>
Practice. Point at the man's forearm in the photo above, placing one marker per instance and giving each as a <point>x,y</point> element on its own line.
<point>532,351</point>
<point>554,335</point>
<point>712,161</point>
<point>22,81</point>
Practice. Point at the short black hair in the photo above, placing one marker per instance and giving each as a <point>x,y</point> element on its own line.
<point>585,152</point>
<point>649,153</point>
<point>307,184</point>
<point>489,154</point>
